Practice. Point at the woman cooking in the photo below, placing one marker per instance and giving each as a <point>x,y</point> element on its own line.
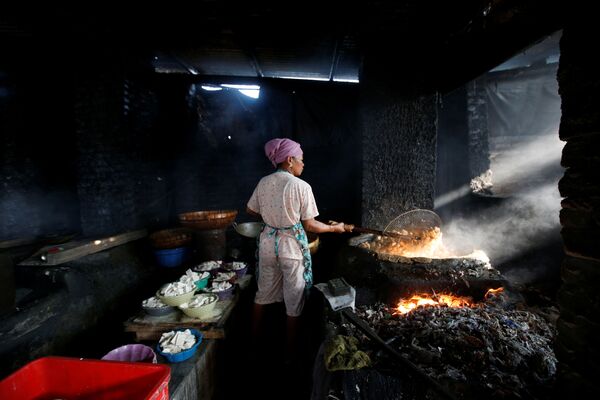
<point>287,207</point>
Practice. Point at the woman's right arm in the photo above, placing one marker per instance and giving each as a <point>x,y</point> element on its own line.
<point>312,225</point>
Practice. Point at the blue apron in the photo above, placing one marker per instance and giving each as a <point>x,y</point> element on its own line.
<point>300,235</point>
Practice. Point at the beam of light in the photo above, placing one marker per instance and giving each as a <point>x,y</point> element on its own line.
<point>253,93</point>
<point>234,86</point>
<point>346,80</point>
<point>453,195</point>
<point>211,88</point>
<point>304,78</point>
<point>524,161</point>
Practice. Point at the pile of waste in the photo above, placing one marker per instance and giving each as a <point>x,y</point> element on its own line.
<point>481,351</point>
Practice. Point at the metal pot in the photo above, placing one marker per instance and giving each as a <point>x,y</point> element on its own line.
<point>252,230</point>
<point>248,229</point>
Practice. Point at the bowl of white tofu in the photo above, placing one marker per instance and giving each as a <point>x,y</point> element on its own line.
<point>179,345</point>
<point>201,306</point>
<point>176,293</point>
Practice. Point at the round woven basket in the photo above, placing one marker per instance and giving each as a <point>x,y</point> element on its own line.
<point>171,238</point>
<point>205,220</point>
<point>313,242</point>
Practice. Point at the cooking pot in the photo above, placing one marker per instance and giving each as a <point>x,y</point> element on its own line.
<point>248,229</point>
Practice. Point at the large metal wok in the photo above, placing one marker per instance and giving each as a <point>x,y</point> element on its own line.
<point>248,229</point>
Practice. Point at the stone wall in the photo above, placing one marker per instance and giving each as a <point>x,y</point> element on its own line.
<point>399,150</point>
<point>479,153</point>
<point>577,346</point>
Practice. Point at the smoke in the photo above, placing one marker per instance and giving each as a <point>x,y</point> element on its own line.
<point>528,162</point>
<point>525,214</point>
<point>509,229</point>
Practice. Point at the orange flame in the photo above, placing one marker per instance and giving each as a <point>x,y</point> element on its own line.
<point>493,292</point>
<point>424,300</point>
<point>425,243</point>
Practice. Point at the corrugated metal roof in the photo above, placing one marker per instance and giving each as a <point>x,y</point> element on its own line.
<point>311,40</point>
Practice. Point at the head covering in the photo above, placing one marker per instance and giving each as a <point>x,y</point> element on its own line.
<point>277,150</point>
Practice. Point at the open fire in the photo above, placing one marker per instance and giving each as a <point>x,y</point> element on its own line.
<point>439,300</point>
<point>476,350</point>
<point>424,243</point>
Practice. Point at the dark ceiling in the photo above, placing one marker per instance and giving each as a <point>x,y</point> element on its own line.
<point>324,40</point>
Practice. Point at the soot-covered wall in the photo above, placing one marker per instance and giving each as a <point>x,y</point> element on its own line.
<point>577,347</point>
<point>398,142</point>
<point>222,156</point>
<point>37,177</point>
<point>119,148</point>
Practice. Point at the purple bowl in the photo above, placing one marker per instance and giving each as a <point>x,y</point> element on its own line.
<point>131,353</point>
<point>238,272</point>
<point>225,294</point>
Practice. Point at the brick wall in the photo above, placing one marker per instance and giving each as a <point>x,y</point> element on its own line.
<point>577,346</point>
<point>105,181</point>
<point>479,153</point>
<point>37,190</point>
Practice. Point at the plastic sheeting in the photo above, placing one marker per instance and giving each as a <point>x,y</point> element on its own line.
<point>523,104</point>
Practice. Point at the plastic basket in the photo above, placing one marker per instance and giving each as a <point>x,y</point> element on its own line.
<point>74,378</point>
<point>171,257</point>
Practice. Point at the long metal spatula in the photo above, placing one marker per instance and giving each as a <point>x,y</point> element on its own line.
<point>381,233</point>
<point>358,229</point>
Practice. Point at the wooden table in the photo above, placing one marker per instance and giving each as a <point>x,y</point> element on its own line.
<point>147,327</point>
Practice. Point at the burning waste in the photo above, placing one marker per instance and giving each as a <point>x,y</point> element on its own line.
<point>475,349</point>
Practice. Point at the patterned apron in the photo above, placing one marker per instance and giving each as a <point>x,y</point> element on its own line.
<point>300,236</point>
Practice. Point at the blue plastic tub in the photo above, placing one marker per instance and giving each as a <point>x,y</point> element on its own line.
<point>184,355</point>
<point>171,257</point>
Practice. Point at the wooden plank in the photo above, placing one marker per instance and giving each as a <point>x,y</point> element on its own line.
<point>147,327</point>
<point>7,244</point>
<point>59,254</point>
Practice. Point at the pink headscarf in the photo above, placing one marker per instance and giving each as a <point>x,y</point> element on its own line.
<point>277,150</point>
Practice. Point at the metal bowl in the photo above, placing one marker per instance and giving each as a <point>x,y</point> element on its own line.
<point>248,229</point>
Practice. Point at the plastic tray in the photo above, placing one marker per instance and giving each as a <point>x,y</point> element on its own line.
<point>74,378</point>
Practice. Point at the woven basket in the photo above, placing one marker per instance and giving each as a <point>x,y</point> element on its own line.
<point>313,242</point>
<point>171,238</point>
<point>206,220</point>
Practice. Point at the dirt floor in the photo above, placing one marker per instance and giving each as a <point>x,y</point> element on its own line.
<point>260,371</point>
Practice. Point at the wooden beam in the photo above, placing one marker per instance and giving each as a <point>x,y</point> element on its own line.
<point>59,254</point>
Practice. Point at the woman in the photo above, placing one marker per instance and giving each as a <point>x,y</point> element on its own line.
<point>287,207</point>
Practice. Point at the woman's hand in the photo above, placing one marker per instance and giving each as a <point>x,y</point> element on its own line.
<point>312,225</point>
<point>344,227</point>
<point>338,227</point>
